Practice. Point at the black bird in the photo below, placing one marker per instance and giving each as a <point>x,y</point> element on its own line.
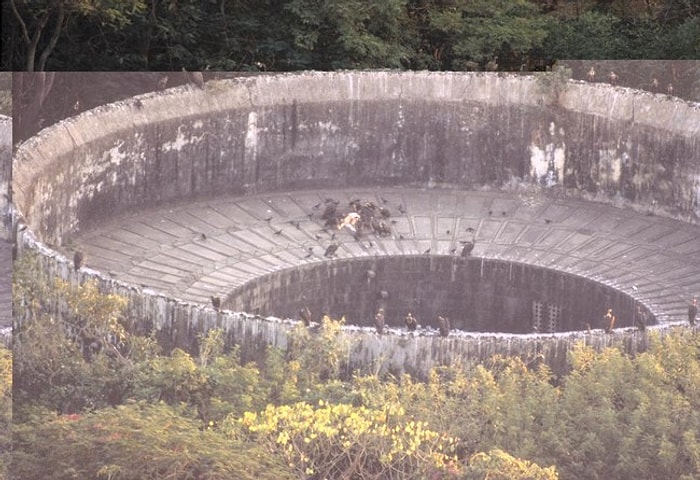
<point>470,229</point>
<point>443,326</point>
<point>379,321</point>
<point>216,303</point>
<point>268,219</point>
<point>453,250</point>
<point>295,223</point>
<point>384,200</point>
<point>609,321</point>
<point>78,258</point>
<point>547,221</point>
<point>692,311</point>
<point>503,213</point>
<point>490,212</point>
<point>317,206</point>
<point>447,232</point>
<point>400,237</point>
<point>278,232</point>
<point>329,212</point>
<point>331,249</point>
<point>411,323</point>
<point>467,248</point>
<point>426,252</point>
<point>305,315</point>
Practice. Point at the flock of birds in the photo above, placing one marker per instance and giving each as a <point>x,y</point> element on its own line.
<point>613,78</point>
<point>361,220</point>
<point>410,322</point>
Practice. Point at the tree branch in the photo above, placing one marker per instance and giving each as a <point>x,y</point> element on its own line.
<point>54,37</point>
<point>25,33</point>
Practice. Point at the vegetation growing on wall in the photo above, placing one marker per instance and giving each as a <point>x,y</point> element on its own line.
<point>130,411</point>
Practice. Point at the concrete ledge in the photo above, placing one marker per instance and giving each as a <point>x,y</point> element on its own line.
<point>243,141</point>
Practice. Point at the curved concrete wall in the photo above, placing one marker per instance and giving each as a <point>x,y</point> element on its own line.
<point>352,129</point>
<point>5,229</point>
<point>305,130</point>
<point>476,294</point>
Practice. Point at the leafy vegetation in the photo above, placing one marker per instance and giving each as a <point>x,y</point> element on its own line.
<point>123,409</point>
<point>5,409</point>
<point>283,35</point>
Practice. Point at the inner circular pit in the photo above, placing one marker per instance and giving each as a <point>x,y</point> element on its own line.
<point>476,294</point>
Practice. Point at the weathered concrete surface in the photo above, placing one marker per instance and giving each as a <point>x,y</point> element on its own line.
<point>356,129</point>
<point>236,142</point>
<point>5,224</point>
<point>218,247</point>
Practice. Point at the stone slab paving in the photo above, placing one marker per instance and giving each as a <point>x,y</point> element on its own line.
<point>193,250</point>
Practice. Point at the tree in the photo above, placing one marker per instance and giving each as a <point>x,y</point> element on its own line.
<point>42,22</point>
<point>494,34</point>
<point>347,33</point>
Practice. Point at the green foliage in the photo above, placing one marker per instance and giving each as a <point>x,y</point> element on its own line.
<point>318,356</point>
<point>485,29</point>
<point>498,465</point>
<point>71,360</point>
<point>136,413</point>
<point>134,441</point>
<point>348,33</point>
<point>341,440</point>
<point>283,35</point>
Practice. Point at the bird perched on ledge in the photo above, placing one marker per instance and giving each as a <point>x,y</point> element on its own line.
<point>467,248</point>
<point>305,315</point>
<point>379,321</point>
<point>443,326</point>
<point>78,258</point>
<point>609,321</point>
<point>330,250</point>
<point>591,75</point>
<point>411,323</point>
<point>216,303</point>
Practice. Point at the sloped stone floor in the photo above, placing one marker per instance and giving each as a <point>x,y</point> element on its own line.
<point>193,250</point>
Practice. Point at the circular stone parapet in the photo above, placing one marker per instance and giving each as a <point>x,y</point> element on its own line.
<point>188,193</point>
<point>5,229</point>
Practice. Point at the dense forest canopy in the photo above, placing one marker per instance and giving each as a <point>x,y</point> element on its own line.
<point>285,35</point>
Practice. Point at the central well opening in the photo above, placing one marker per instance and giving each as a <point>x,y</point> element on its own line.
<point>477,294</point>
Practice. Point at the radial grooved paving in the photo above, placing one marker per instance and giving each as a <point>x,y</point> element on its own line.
<point>211,247</point>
